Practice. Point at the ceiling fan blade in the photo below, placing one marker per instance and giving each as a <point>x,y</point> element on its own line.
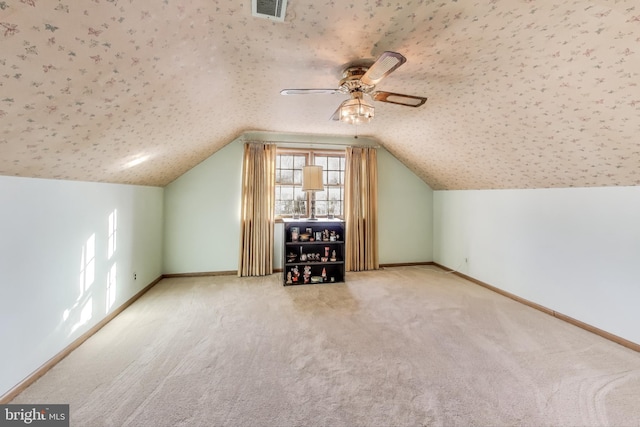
<point>385,64</point>
<point>398,98</point>
<point>308,91</point>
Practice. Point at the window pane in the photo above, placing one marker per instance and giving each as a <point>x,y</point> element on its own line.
<point>287,162</point>
<point>321,208</point>
<point>300,206</point>
<point>286,192</point>
<point>297,177</point>
<point>321,195</point>
<point>321,161</point>
<point>337,207</point>
<point>284,200</point>
<point>281,208</point>
<point>333,178</point>
<point>300,161</point>
<point>286,176</point>
<point>299,194</point>
<point>335,193</point>
<point>334,163</point>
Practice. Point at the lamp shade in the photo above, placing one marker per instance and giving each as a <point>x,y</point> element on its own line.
<point>312,178</point>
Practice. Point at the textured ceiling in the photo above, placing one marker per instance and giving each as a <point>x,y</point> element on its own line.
<point>522,93</point>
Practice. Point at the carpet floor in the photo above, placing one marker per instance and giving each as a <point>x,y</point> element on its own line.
<point>400,346</point>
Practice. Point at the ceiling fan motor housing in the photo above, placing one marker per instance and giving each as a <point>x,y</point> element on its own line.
<point>351,81</point>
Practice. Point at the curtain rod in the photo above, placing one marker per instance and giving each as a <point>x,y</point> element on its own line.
<point>317,144</point>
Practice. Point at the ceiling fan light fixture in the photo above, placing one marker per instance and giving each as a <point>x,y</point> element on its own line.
<point>356,111</point>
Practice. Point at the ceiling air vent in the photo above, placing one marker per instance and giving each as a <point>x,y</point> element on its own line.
<point>269,9</point>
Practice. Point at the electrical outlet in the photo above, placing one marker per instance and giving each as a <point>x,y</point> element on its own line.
<point>135,276</point>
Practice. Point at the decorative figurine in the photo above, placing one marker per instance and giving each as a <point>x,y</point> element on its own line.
<point>307,273</point>
<point>324,274</point>
<point>289,282</point>
<point>333,255</point>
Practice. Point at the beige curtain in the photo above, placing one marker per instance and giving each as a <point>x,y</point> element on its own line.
<point>257,214</point>
<point>361,209</point>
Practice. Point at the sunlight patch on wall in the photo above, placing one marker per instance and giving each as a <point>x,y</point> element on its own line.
<point>111,287</point>
<point>82,310</point>
<point>88,264</point>
<point>112,246</point>
<point>112,241</point>
<point>85,314</point>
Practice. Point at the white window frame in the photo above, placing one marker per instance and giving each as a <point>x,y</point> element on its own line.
<point>333,190</point>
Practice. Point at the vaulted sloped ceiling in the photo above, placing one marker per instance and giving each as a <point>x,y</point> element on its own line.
<point>522,93</point>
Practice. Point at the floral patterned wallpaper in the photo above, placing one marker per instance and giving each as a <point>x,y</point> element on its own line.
<point>522,93</point>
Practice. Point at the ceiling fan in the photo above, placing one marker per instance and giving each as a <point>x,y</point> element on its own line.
<point>359,79</point>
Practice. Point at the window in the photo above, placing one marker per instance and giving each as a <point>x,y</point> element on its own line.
<point>331,199</point>
<point>290,198</point>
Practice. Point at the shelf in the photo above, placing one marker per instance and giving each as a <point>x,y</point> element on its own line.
<point>312,263</point>
<point>335,242</point>
<point>334,271</point>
